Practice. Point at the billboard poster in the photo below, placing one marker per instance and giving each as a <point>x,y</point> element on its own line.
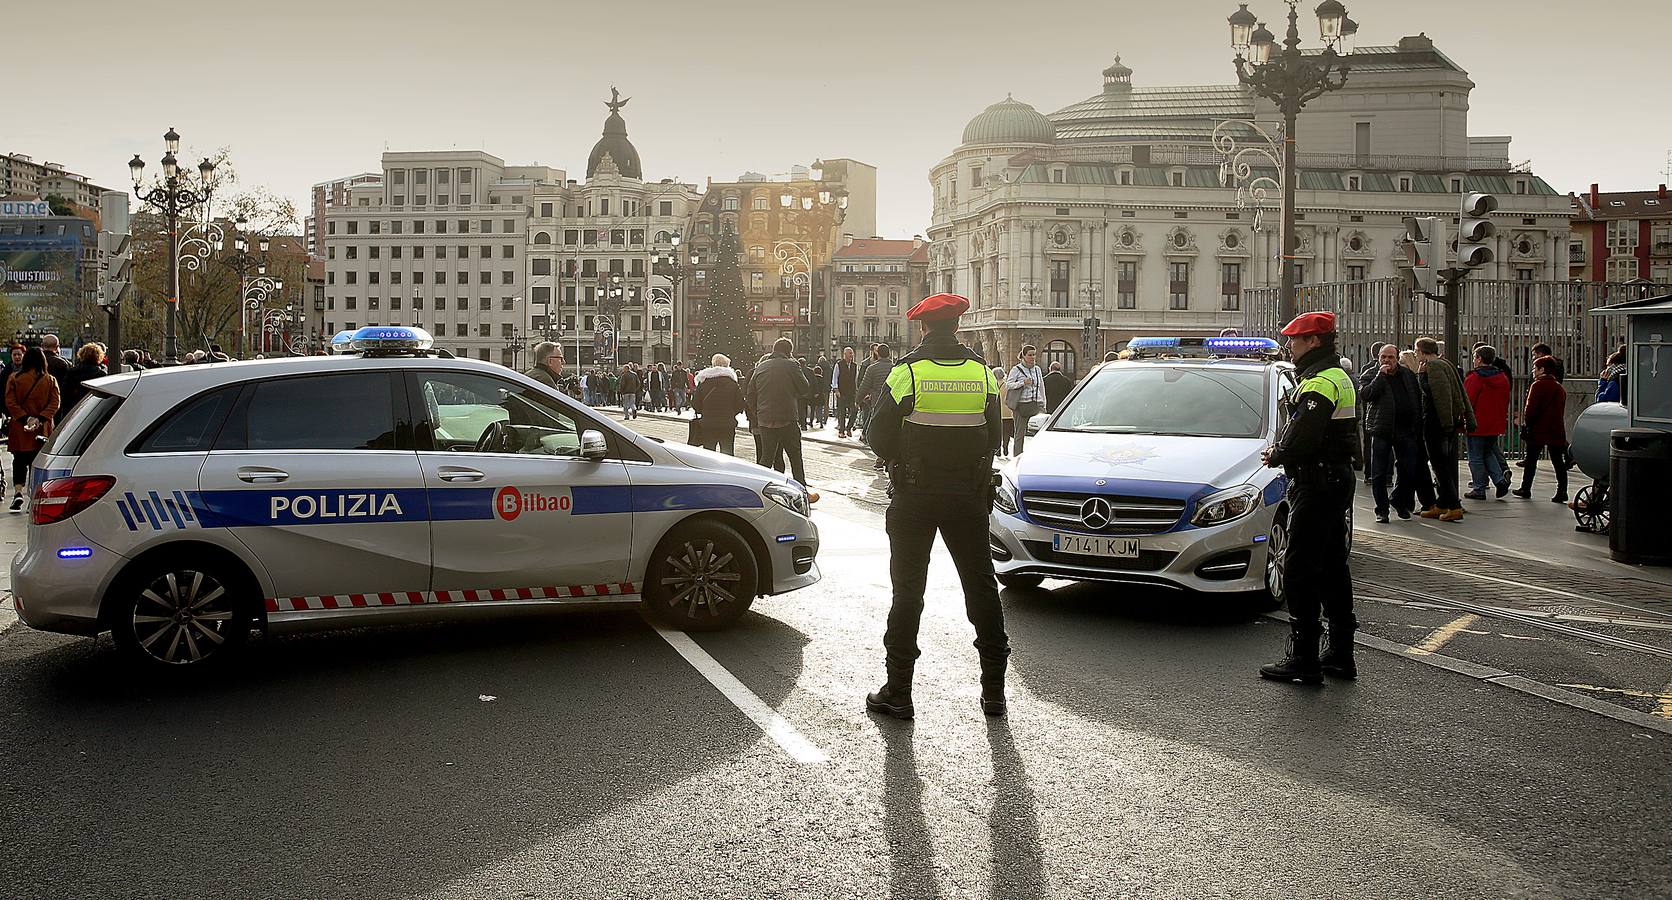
<point>40,279</point>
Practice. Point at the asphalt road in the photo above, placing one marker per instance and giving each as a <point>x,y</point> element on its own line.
<point>580,755</point>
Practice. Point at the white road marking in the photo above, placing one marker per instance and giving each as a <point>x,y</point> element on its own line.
<point>775,726</point>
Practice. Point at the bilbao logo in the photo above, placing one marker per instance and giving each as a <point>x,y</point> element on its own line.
<point>510,502</point>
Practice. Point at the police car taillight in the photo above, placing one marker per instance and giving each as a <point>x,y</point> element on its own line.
<point>58,499</point>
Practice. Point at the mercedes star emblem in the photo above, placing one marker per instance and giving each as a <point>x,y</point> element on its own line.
<point>1096,513</point>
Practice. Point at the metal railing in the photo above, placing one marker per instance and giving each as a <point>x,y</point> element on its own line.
<point>1512,316</point>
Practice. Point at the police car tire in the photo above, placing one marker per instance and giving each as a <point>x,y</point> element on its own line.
<point>1266,598</point>
<point>1021,582</point>
<point>130,595</point>
<point>729,563</point>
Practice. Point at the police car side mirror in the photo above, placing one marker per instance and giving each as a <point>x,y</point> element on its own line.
<point>1036,423</point>
<point>593,446</point>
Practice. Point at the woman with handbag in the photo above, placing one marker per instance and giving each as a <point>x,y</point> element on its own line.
<point>1544,428</point>
<point>31,400</point>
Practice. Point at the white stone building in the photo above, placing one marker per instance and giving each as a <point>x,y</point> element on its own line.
<point>1116,206</point>
<point>493,258</point>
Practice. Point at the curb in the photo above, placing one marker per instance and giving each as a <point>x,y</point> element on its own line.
<point>8,618</point>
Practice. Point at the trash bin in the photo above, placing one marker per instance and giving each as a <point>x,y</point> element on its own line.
<point>1640,496</point>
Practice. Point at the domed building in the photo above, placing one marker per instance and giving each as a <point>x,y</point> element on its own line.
<point>1115,207</point>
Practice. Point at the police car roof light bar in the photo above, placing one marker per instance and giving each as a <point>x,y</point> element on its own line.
<point>387,340</point>
<point>1250,347</point>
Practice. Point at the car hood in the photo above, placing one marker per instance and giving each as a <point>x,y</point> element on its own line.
<point>1073,461</point>
<point>711,461</point>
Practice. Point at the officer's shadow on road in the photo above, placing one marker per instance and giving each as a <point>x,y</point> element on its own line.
<point>474,742</point>
<point>1018,869</point>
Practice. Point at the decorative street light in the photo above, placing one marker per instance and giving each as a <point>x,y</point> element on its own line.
<point>255,295</point>
<point>1291,79</point>
<point>673,268</point>
<point>174,195</point>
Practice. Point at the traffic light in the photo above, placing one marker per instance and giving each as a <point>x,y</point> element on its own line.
<point>1424,237</point>
<point>1475,230</point>
<point>1088,336</point>
<point>116,257</point>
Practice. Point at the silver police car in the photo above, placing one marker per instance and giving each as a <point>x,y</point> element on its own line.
<point>1149,473</point>
<point>180,508</point>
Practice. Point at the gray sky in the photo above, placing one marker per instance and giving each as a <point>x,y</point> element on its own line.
<point>307,90</point>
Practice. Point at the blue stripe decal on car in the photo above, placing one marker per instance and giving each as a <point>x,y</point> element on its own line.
<point>461,504</point>
<point>1275,489</point>
<point>603,499</point>
<point>168,507</point>
<point>184,507</point>
<point>150,514</point>
<point>128,517</point>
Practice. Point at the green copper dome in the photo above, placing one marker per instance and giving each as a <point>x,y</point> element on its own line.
<point>1010,121</point>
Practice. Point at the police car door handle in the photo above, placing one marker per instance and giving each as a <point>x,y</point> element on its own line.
<point>458,473</point>
<point>261,474</point>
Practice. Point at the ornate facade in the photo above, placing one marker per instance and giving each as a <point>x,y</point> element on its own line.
<point>1121,207</point>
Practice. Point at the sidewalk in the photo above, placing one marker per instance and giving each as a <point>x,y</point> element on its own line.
<point>14,531</point>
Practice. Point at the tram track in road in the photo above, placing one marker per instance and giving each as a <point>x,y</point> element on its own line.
<point>1374,588</point>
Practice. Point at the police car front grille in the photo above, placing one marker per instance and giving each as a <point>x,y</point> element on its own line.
<point>1130,515</point>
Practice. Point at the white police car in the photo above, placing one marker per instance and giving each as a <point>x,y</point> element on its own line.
<point>177,508</point>
<point>1149,473</point>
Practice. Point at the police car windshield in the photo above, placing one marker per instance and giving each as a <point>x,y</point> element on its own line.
<point>1169,400</point>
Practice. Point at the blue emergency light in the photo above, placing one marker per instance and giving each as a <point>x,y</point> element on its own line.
<point>1256,347</point>
<point>392,339</point>
<point>342,342</point>
<point>75,552</point>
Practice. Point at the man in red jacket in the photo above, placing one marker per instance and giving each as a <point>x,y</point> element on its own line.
<point>1488,389</point>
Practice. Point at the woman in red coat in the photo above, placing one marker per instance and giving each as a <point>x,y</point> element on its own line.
<point>1544,427</point>
<point>31,400</point>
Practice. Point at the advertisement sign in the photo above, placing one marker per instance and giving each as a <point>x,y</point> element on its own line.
<point>32,209</point>
<point>777,320</point>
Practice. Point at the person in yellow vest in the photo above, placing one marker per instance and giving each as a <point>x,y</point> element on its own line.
<point>1316,453</point>
<point>936,427</point>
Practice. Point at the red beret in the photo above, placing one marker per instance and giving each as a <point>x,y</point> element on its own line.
<point>1310,323</point>
<point>938,308</point>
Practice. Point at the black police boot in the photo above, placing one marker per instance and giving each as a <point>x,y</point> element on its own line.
<point>1337,659</point>
<point>894,697</point>
<point>992,691</point>
<point>1300,666</point>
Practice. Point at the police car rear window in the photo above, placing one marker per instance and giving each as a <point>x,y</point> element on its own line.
<point>189,427</point>
<point>327,412</point>
<point>84,423</point>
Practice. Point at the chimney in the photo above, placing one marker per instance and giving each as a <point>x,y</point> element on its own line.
<point>1663,192</point>
<point>847,240</point>
<point>1594,199</point>
<point>917,242</point>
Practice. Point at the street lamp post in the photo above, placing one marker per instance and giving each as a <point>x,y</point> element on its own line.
<point>1290,79</point>
<point>172,196</point>
<point>673,268</point>
<point>792,256</point>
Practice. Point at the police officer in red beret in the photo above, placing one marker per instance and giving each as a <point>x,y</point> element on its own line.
<point>935,426</point>
<point>1316,452</point>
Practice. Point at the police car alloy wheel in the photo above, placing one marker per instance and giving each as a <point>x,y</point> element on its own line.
<point>1277,550</point>
<point>702,577</point>
<point>179,614</point>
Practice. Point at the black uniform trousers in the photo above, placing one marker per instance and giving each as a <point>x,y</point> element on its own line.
<point>961,520</point>
<point>1315,572</point>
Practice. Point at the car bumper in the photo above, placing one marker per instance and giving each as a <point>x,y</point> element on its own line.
<point>792,544</point>
<point>1227,558</point>
<point>56,594</point>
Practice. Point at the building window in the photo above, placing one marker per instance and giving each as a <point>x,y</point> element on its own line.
<point>507,304</point>
<point>665,208</point>
<point>545,210</point>
<point>893,300</point>
<point>1361,139</point>
<point>870,299</point>
<point>847,300</point>
<point>1059,284</point>
<point>1352,182</point>
<point>1178,285</point>
<point>760,203</point>
<point>1457,185</point>
<point>1176,179</point>
<point>1126,285</point>
<point>1230,278</point>
<point>1405,184</point>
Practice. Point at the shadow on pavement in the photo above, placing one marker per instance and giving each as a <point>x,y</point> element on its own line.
<point>911,852</point>
<point>1568,796</point>
<point>359,763</point>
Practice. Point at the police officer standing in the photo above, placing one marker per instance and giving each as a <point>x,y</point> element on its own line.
<point>1316,452</point>
<point>935,426</point>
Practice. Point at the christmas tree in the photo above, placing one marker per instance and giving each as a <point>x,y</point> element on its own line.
<point>726,323</point>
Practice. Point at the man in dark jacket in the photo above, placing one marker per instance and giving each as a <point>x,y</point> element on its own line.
<point>846,379</point>
<point>628,389</point>
<point>1392,401</point>
<point>1445,412</point>
<point>873,381</point>
<point>773,402</point>
<point>548,365</point>
<point>56,366</point>
<point>1057,386</point>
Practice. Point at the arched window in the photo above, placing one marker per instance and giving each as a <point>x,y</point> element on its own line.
<point>542,238</point>
<point>1059,351</point>
<point>662,237</point>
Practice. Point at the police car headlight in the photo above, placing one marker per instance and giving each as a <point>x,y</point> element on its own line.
<point>1226,506</point>
<point>789,497</point>
<point>1004,499</point>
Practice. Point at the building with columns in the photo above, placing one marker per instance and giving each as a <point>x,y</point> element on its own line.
<point>1117,207</point>
<point>873,282</point>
